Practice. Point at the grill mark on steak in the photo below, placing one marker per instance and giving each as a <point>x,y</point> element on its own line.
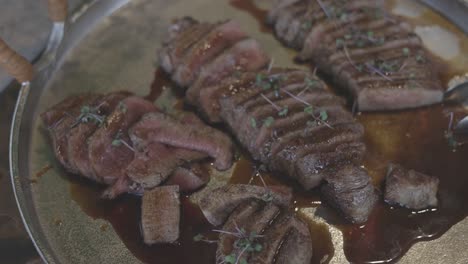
<point>173,50</point>
<point>207,48</point>
<point>388,37</point>
<point>245,55</point>
<point>279,232</point>
<point>319,134</point>
<point>268,226</point>
<point>220,203</point>
<point>208,101</point>
<point>292,82</point>
<point>253,216</point>
<point>246,96</point>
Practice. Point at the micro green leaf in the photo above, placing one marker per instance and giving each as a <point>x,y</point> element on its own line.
<point>339,42</point>
<point>253,122</point>
<point>259,79</point>
<point>310,82</point>
<point>258,247</point>
<point>309,109</point>
<point>283,112</point>
<point>268,121</point>
<point>122,107</point>
<point>230,259</point>
<point>198,237</point>
<point>323,115</point>
<point>116,142</point>
<point>406,51</point>
<point>307,25</point>
<point>420,58</point>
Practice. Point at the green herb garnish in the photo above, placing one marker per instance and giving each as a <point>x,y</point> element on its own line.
<point>309,109</point>
<point>406,52</point>
<point>268,121</point>
<point>323,115</point>
<point>253,122</point>
<point>89,114</point>
<point>283,112</point>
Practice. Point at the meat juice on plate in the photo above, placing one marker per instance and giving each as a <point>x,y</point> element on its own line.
<point>414,138</point>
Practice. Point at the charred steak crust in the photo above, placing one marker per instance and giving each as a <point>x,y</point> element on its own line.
<point>373,55</point>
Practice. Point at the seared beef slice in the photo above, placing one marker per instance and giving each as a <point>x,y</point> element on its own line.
<point>160,215</point>
<point>61,118</point>
<point>161,128</point>
<point>202,54</point>
<point>109,148</point>
<point>79,134</point>
<point>410,188</point>
<point>351,192</point>
<point>370,53</point>
<point>262,232</point>
<point>220,202</point>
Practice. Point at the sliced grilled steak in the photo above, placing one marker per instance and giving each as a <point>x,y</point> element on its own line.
<point>160,128</point>
<point>298,143</point>
<point>61,118</point>
<point>369,53</point>
<point>188,179</point>
<point>182,35</point>
<point>410,188</point>
<point>252,217</point>
<point>261,232</point>
<point>287,240</point>
<point>220,202</point>
<point>160,215</point>
<point>349,189</point>
<point>285,118</point>
<point>245,55</point>
<point>109,148</point>
<point>79,134</point>
<point>155,162</point>
<point>204,50</point>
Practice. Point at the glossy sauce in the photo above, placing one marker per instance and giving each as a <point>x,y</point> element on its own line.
<point>413,138</point>
<point>161,80</point>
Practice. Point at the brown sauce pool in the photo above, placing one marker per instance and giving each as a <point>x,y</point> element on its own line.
<point>412,138</point>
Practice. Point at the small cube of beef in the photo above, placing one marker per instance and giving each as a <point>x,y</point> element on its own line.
<point>410,188</point>
<point>160,215</point>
